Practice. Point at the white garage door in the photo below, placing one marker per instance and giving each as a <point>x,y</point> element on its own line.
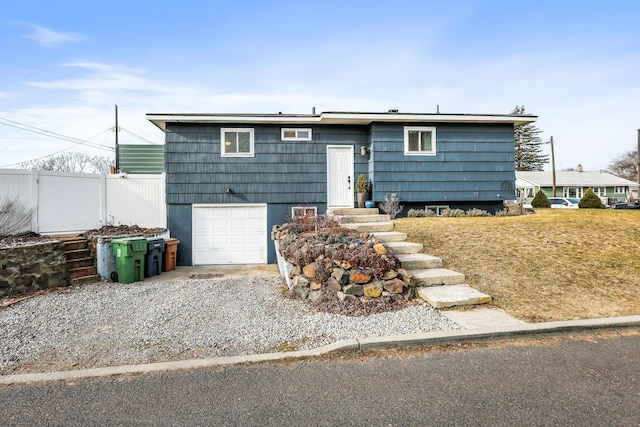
<point>229,234</point>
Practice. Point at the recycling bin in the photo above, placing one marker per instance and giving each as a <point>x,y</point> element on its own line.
<point>129,254</point>
<point>153,258</point>
<point>170,254</point>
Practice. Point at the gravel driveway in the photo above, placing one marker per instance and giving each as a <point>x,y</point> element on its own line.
<point>106,324</point>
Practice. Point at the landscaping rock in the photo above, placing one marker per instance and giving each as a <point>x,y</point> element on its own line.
<point>314,286</point>
<point>333,284</point>
<point>309,270</point>
<point>299,282</point>
<point>340,275</point>
<point>353,289</point>
<point>373,290</point>
<point>359,276</point>
<point>300,292</point>
<point>395,286</point>
<point>380,248</point>
<point>314,296</point>
<point>407,277</point>
<point>391,274</point>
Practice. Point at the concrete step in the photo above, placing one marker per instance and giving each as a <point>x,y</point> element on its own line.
<point>419,261</point>
<point>349,219</point>
<point>438,276</point>
<point>452,296</point>
<point>353,211</point>
<point>369,227</point>
<point>405,247</point>
<point>390,236</point>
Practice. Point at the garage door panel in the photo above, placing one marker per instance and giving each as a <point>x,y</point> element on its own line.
<point>230,234</point>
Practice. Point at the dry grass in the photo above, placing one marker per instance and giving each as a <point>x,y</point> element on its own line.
<point>553,265</point>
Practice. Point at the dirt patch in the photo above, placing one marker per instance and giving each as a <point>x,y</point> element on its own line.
<point>120,230</point>
<point>206,276</point>
<point>28,238</point>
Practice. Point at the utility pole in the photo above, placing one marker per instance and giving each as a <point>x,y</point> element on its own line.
<point>117,129</point>
<point>638,165</point>
<point>553,165</point>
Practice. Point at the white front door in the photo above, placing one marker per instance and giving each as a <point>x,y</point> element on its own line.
<point>340,180</point>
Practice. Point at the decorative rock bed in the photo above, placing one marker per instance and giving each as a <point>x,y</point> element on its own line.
<point>317,255</point>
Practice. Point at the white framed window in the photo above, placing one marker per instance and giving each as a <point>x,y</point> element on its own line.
<point>304,211</point>
<point>419,141</point>
<point>620,190</point>
<point>236,142</point>
<point>576,192</point>
<point>600,191</point>
<point>295,134</point>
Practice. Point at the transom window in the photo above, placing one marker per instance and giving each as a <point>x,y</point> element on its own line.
<point>236,142</point>
<point>291,134</point>
<point>420,141</point>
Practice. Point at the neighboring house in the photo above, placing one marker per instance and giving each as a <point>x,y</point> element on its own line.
<point>574,184</point>
<point>231,177</point>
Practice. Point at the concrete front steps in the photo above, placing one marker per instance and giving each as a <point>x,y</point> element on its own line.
<point>439,286</point>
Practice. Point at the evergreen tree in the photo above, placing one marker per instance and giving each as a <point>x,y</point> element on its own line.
<point>540,200</point>
<point>590,200</point>
<point>528,145</point>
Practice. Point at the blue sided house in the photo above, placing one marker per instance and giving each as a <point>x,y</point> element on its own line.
<point>231,177</point>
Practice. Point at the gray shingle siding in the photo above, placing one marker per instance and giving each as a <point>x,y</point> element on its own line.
<point>472,163</point>
<point>281,171</point>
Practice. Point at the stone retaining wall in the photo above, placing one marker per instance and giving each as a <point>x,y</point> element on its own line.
<point>32,267</point>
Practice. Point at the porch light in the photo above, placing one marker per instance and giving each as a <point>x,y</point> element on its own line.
<point>363,150</point>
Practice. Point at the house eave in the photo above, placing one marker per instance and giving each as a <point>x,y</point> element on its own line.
<point>343,118</point>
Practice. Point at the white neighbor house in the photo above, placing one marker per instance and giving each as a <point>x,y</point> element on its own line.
<point>574,184</point>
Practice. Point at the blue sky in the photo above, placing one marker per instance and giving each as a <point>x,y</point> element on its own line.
<point>64,65</point>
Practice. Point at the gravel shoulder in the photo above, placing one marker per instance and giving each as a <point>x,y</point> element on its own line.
<point>110,324</point>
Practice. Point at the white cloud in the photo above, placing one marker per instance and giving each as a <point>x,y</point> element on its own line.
<point>49,38</point>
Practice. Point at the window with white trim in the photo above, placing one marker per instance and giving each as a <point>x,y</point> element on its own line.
<point>576,192</point>
<point>620,190</point>
<point>295,134</point>
<point>600,191</point>
<point>419,141</point>
<point>236,142</point>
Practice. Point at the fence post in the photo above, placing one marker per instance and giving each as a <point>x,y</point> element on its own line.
<point>34,200</point>
<point>103,199</point>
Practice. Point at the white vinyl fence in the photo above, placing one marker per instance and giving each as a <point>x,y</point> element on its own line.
<point>67,202</point>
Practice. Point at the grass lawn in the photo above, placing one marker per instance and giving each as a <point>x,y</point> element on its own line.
<point>556,264</point>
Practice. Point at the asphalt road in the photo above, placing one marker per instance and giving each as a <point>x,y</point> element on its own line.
<point>592,382</point>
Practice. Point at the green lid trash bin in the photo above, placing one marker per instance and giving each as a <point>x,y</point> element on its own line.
<point>129,259</point>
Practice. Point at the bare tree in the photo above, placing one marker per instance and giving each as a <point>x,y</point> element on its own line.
<point>625,166</point>
<point>71,162</point>
<point>15,217</point>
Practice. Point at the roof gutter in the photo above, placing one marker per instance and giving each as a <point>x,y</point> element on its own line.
<point>161,120</point>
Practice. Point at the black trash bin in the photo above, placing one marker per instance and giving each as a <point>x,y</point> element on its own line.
<point>153,258</point>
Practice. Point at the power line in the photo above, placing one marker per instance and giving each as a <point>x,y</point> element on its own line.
<point>50,134</point>
<point>138,137</point>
